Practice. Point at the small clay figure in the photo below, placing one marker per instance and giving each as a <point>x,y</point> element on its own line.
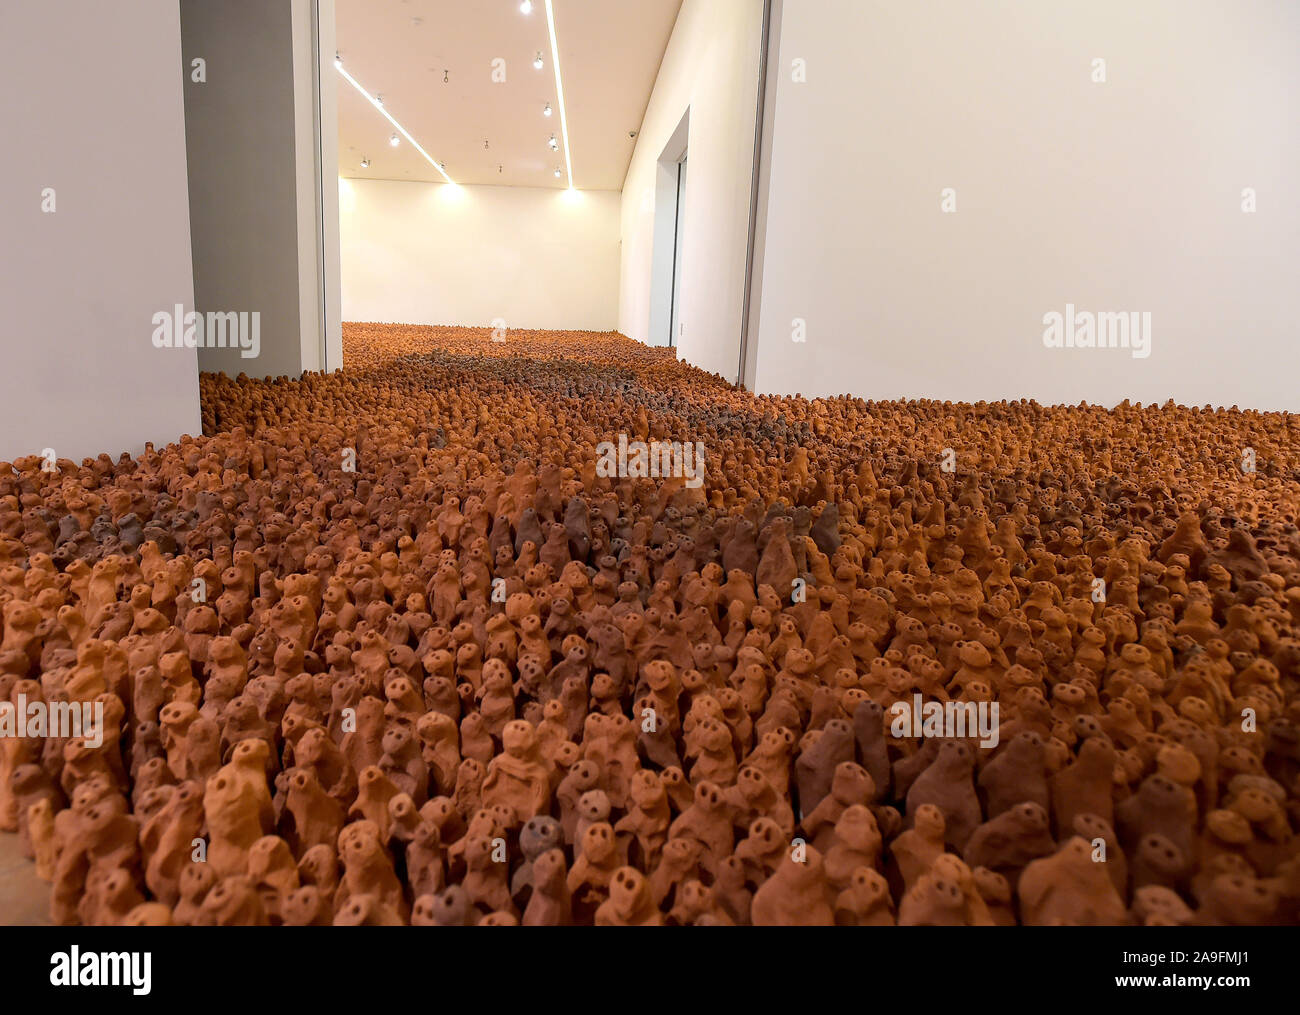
<point>796,895</point>
<point>1069,888</point>
<point>549,905</point>
<point>947,784</point>
<point>629,903</point>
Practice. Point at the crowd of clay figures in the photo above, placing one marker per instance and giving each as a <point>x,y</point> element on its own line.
<point>385,647</point>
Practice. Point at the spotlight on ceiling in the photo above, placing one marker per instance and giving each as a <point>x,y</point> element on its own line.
<point>547,110</point>
<point>394,140</point>
<point>537,61</point>
<point>526,7</point>
<point>558,174</point>
<point>365,163</point>
<point>375,101</point>
<point>338,60</point>
<point>554,144</point>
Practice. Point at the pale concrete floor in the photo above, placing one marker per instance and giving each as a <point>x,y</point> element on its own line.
<point>24,898</point>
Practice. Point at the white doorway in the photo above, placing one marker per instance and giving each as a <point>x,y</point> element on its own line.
<point>678,220</point>
<point>667,320</point>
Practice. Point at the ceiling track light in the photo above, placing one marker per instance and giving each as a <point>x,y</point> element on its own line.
<point>538,62</point>
<point>365,163</point>
<point>394,140</point>
<point>547,110</point>
<point>559,87</point>
<point>378,104</point>
<point>558,174</point>
<point>554,145</point>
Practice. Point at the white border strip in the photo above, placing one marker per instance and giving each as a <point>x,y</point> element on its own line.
<point>379,106</point>
<point>559,89</point>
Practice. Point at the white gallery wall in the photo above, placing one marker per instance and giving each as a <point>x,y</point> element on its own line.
<point>709,70</point>
<point>1128,194</point>
<point>426,253</point>
<point>251,135</point>
<point>94,123</point>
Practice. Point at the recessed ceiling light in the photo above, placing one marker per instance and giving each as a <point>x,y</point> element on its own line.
<point>394,140</point>
<point>378,104</point>
<point>526,7</point>
<point>547,110</point>
<point>365,163</point>
<point>537,61</point>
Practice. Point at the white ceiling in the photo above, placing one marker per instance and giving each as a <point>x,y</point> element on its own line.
<point>400,49</point>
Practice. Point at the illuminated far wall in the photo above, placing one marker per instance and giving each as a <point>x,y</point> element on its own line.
<point>426,253</point>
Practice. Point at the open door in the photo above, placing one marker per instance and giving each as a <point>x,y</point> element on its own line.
<point>678,220</point>
<point>666,305</point>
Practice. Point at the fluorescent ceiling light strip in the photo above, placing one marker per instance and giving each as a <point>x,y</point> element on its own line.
<point>559,89</point>
<point>379,106</point>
